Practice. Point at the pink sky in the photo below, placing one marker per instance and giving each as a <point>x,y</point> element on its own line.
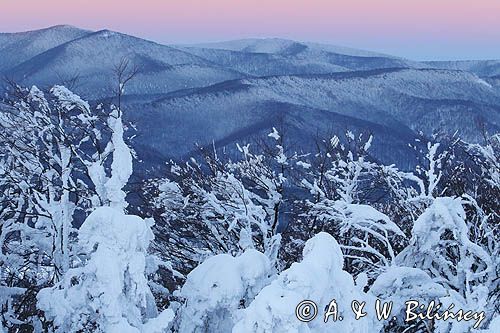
<point>419,29</point>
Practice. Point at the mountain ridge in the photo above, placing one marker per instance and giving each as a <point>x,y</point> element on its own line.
<point>236,90</point>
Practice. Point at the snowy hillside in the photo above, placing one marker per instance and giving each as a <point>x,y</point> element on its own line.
<point>395,105</point>
<point>18,47</point>
<point>486,68</point>
<point>162,68</point>
<point>221,92</point>
<point>280,46</point>
<point>280,56</point>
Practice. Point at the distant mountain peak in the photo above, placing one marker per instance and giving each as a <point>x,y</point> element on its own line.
<point>55,28</point>
<point>63,26</point>
<point>107,33</point>
<point>21,46</point>
<point>274,45</point>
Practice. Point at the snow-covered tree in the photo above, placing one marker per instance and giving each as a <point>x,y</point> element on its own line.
<point>59,160</point>
<point>109,183</point>
<point>104,288</point>
<point>217,207</point>
<point>108,291</point>
<point>337,205</point>
<point>49,145</point>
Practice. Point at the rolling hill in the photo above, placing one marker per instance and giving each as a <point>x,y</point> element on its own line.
<point>93,56</point>
<point>228,92</point>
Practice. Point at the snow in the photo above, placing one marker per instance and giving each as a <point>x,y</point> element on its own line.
<point>68,99</point>
<point>451,215</point>
<point>355,220</point>
<point>304,165</point>
<point>121,166</point>
<point>334,141</point>
<point>400,284</point>
<point>274,134</point>
<point>481,81</point>
<point>433,174</point>
<point>215,290</point>
<point>368,143</point>
<point>471,270</point>
<point>364,214</point>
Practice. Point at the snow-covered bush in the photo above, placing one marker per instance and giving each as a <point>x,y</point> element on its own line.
<point>318,277</point>
<point>216,207</point>
<point>337,205</point>
<point>216,289</point>
<point>440,246</point>
<point>400,284</point>
<point>366,233</point>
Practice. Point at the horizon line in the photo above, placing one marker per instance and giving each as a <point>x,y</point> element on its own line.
<point>222,40</point>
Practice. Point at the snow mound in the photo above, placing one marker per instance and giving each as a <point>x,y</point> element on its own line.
<point>218,287</point>
<point>400,284</point>
<point>319,278</point>
<point>107,228</point>
<point>68,99</point>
